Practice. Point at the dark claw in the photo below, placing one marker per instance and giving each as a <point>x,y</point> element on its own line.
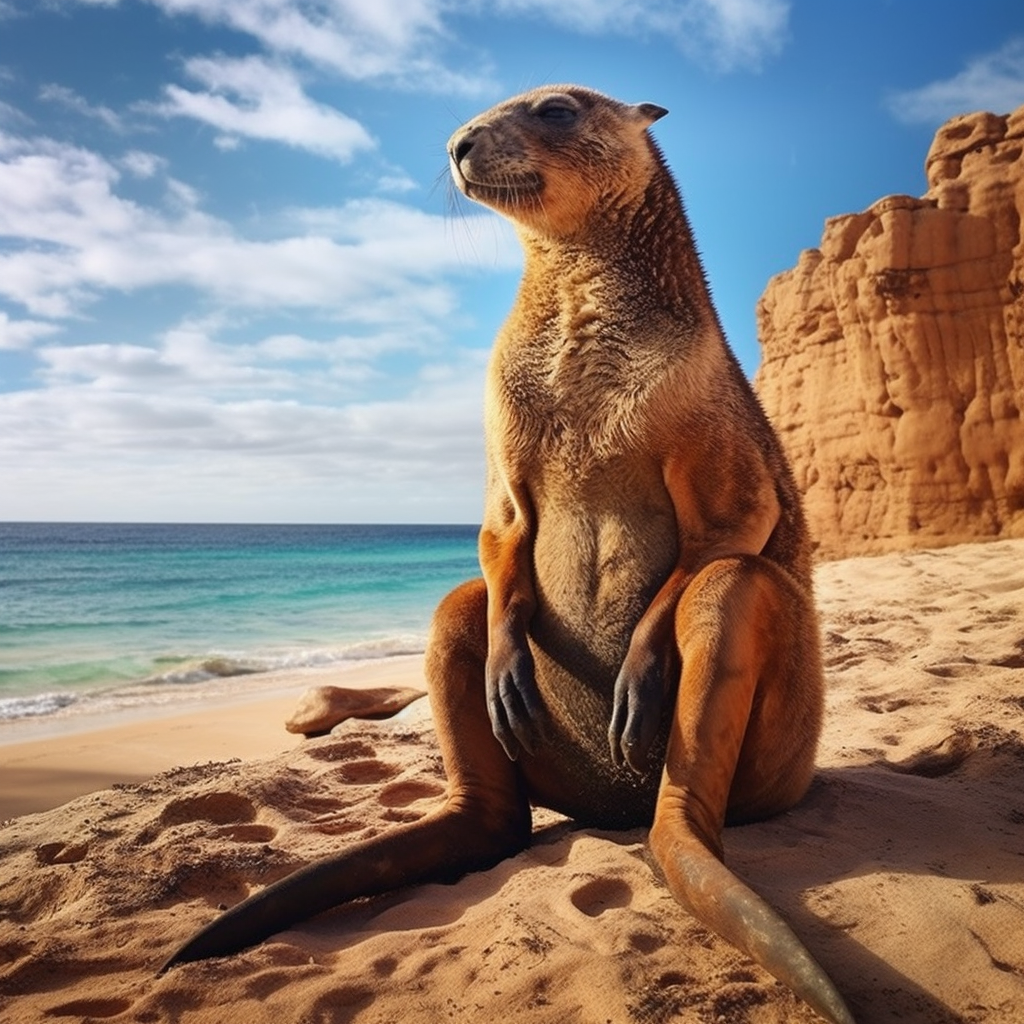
<point>616,729</point>
<point>518,716</point>
<point>636,714</point>
<point>500,726</point>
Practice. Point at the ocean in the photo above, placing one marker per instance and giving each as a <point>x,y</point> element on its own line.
<point>104,616</point>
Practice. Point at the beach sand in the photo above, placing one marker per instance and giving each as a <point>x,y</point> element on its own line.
<point>46,763</point>
<point>903,869</point>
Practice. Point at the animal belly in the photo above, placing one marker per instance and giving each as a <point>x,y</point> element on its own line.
<point>571,770</point>
<point>595,576</point>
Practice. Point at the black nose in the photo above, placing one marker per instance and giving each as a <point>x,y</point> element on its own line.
<point>460,150</point>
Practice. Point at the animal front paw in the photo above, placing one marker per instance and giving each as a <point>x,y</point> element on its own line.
<point>517,713</point>
<point>636,711</point>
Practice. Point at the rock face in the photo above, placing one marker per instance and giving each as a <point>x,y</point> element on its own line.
<point>893,356</point>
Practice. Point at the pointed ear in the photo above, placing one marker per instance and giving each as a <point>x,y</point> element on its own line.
<point>650,112</point>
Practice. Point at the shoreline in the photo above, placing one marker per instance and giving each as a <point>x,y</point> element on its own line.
<point>44,764</point>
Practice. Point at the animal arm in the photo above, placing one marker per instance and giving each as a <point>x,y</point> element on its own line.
<point>648,667</point>
<point>513,701</point>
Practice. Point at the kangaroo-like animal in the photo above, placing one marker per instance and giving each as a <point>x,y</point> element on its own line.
<point>643,648</point>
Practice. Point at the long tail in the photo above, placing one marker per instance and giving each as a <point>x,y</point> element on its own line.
<point>718,899</point>
<point>439,848</point>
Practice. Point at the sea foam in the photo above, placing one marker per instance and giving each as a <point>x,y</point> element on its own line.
<point>12,708</point>
<point>226,666</point>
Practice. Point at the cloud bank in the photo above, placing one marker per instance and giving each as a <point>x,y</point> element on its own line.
<point>228,407</point>
<point>993,82</point>
<point>254,98</point>
<point>80,238</point>
<point>403,44</point>
<point>211,412</point>
<point>730,35</point>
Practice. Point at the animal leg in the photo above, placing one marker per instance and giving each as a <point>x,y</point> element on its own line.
<point>485,818</point>
<point>742,743</point>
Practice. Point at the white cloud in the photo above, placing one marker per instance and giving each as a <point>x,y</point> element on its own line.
<point>9,114</point>
<point>396,183</point>
<point>209,418</point>
<point>141,164</point>
<point>252,411</point>
<point>72,417</point>
<point>69,98</point>
<point>254,98</point>
<point>106,366</point>
<point>181,196</point>
<point>76,238</point>
<point>405,42</point>
<point>741,32</point>
<point>144,444</point>
<point>386,40</point>
<point>993,82</point>
<point>728,34</point>
<point>22,333</point>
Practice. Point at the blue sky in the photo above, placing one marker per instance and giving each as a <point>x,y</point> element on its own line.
<point>234,285</point>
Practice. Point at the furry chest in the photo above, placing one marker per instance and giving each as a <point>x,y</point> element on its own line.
<point>574,409</point>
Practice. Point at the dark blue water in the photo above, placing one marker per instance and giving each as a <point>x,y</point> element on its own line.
<point>86,608</point>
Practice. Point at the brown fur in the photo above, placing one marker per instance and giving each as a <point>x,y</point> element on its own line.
<point>643,648</point>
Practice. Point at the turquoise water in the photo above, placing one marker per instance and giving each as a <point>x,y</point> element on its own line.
<point>88,611</point>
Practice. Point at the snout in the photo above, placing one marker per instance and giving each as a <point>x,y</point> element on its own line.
<point>491,165</point>
<point>460,145</point>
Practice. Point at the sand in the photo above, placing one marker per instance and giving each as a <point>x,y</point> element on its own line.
<point>46,763</point>
<point>903,869</point>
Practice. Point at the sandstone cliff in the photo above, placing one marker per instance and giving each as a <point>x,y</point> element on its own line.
<point>893,356</point>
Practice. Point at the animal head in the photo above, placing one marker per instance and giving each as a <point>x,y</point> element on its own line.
<point>554,160</point>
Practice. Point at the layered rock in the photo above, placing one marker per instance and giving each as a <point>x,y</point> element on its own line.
<point>893,356</point>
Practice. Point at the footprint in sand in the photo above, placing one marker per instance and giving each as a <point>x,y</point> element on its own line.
<point>234,813</point>
<point>401,794</point>
<point>365,772</point>
<point>952,669</point>
<point>883,705</point>
<point>338,1003</point>
<point>229,848</point>
<point>1014,659</point>
<point>87,1008</point>
<point>218,808</point>
<point>345,751</point>
<point>939,759</point>
<point>843,651</point>
<point>248,833</point>
<point>359,763</point>
<point>397,798</point>
<point>61,853</point>
<point>593,898</point>
<point>647,943</point>
<point>355,763</point>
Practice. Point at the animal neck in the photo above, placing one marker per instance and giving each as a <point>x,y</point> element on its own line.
<point>639,250</point>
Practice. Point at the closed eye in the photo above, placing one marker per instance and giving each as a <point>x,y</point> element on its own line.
<point>557,113</point>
